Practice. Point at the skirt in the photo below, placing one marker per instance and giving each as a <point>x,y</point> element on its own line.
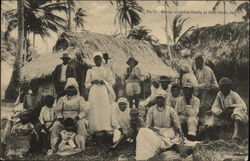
<point>100,109</point>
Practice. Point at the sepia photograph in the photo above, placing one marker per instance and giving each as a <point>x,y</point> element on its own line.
<point>124,80</point>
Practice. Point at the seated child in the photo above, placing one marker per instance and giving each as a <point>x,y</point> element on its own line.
<point>175,95</point>
<point>121,121</point>
<point>47,118</point>
<point>18,142</point>
<point>69,141</point>
<point>229,107</point>
<point>187,108</point>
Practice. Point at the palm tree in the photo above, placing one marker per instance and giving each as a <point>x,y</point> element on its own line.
<point>244,6</point>
<point>177,26</point>
<point>78,19</point>
<point>175,2</point>
<point>128,13</point>
<point>11,91</point>
<point>38,18</point>
<point>224,6</point>
<point>70,4</point>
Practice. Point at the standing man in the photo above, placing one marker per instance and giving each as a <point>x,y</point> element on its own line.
<point>61,73</point>
<point>207,83</point>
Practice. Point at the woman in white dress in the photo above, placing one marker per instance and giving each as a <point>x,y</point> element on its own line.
<point>99,81</point>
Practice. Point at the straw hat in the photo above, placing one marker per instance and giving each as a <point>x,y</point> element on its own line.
<point>164,79</point>
<point>132,59</point>
<point>98,53</point>
<point>185,52</point>
<point>187,85</point>
<point>65,56</point>
<point>225,81</point>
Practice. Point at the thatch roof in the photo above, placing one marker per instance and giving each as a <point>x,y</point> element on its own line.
<point>119,49</point>
<point>226,47</point>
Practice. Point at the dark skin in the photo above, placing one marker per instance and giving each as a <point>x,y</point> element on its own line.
<point>65,61</point>
<point>175,92</point>
<point>199,63</point>
<point>98,63</point>
<point>225,90</point>
<point>132,64</point>
<point>156,84</point>
<point>122,106</point>
<point>164,85</point>
<point>188,93</point>
<point>34,89</point>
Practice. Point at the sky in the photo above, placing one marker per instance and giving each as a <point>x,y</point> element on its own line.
<point>101,15</point>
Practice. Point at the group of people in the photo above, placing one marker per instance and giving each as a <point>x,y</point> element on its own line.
<point>171,116</point>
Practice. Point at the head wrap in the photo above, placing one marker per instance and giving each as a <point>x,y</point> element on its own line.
<point>155,79</point>
<point>98,53</point>
<point>187,85</point>
<point>186,68</point>
<point>72,82</point>
<point>122,99</point>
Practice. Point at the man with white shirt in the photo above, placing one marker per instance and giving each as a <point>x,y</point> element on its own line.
<point>61,73</point>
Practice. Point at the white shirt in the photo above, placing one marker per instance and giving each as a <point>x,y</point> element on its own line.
<point>47,116</point>
<point>63,73</point>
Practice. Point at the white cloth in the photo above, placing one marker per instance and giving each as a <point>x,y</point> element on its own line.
<point>120,119</point>
<point>63,73</point>
<point>47,116</point>
<point>99,99</point>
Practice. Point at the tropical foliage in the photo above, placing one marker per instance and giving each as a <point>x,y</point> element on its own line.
<point>79,18</point>
<point>244,7</point>
<point>218,3</point>
<point>177,27</point>
<point>39,18</point>
<point>128,14</point>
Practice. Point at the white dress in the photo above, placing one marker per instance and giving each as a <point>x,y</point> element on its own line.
<point>101,98</point>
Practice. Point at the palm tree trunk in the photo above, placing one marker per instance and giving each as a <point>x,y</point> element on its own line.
<point>126,28</point>
<point>34,39</point>
<point>166,29</point>
<point>69,15</point>
<point>224,5</point>
<point>12,90</point>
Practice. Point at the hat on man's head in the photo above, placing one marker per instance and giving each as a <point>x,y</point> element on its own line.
<point>105,56</point>
<point>165,79</point>
<point>132,59</point>
<point>185,52</point>
<point>65,56</point>
<point>188,85</point>
<point>98,53</point>
<point>160,93</point>
<point>155,79</point>
<point>225,81</point>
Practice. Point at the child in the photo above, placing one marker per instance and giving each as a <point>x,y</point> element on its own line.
<point>18,143</point>
<point>175,91</point>
<point>69,139</point>
<point>47,118</point>
<point>133,78</point>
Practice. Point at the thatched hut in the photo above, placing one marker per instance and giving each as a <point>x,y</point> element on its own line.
<point>85,43</point>
<point>225,47</point>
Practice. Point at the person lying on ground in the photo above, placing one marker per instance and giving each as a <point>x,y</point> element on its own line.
<point>228,106</point>
<point>15,144</point>
<point>70,106</point>
<point>175,94</point>
<point>187,108</point>
<point>159,133</point>
<point>69,140</point>
<point>47,118</point>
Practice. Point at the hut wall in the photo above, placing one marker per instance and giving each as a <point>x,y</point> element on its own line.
<point>47,88</point>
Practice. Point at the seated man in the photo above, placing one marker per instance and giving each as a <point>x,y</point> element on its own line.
<point>229,106</point>
<point>159,133</point>
<point>187,108</point>
<point>175,95</point>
